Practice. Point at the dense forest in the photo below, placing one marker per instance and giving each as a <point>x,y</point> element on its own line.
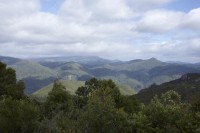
<point>97,107</point>
<point>187,86</point>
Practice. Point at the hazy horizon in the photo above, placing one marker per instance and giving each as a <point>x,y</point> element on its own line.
<point>167,61</point>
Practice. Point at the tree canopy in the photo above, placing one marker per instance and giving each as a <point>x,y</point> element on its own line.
<point>97,107</point>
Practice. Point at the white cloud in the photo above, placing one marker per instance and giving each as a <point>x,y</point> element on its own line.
<point>103,28</point>
<point>10,9</point>
<point>176,50</point>
<point>109,9</point>
<point>161,21</point>
<point>147,4</point>
<point>74,10</point>
<point>192,19</point>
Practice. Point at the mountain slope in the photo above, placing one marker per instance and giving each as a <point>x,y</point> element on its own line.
<point>187,86</point>
<point>88,60</point>
<point>135,65</point>
<point>25,69</point>
<point>9,60</point>
<point>34,84</point>
<point>71,68</point>
<point>139,74</point>
<point>71,87</point>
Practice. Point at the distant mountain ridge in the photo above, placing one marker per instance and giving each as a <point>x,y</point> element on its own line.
<point>9,60</point>
<point>137,74</point>
<point>91,60</point>
<point>26,68</point>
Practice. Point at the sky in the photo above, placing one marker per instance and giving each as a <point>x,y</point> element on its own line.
<point>168,30</point>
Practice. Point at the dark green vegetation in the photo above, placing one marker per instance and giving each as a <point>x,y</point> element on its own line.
<point>34,84</point>
<point>135,74</point>
<point>71,87</point>
<point>8,83</point>
<point>96,107</point>
<point>33,74</point>
<point>187,86</point>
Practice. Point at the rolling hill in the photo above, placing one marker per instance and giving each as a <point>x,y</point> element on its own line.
<point>34,75</point>
<point>139,74</point>
<point>187,86</point>
<point>26,68</point>
<point>71,68</point>
<point>34,84</point>
<point>72,86</point>
<point>9,60</point>
<point>135,65</point>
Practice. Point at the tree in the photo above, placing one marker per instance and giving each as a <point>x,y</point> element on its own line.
<point>58,100</point>
<point>89,87</point>
<point>196,103</point>
<point>191,121</point>
<point>94,85</point>
<point>8,83</point>
<point>171,97</point>
<point>162,114</point>
<point>100,115</point>
<point>131,104</point>
<point>18,116</point>
<point>59,123</point>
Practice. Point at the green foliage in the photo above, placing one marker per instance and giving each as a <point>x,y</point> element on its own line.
<point>100,85</point>
<point>196,103</point>
<point>8,83</point>
<point>71,87</point>
<point>101,115</point>
<point>89,87</point>
<point>187,87</point>
<point>59,123</point>
<point>171,97</point>
<point>97,107</point>
<point>131,104</point>
<point>190,123</point>
<point>58,100</point>
<point>165,114</point>
<point>18,116</point>
<point>57,111</point>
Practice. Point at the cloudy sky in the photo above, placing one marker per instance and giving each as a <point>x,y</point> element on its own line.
<point>114,29</point>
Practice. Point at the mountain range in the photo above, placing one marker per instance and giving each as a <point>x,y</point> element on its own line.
<point>135,74</point>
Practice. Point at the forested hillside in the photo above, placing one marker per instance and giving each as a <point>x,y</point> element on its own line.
<point>187,86</point>
<point>96,107</point>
